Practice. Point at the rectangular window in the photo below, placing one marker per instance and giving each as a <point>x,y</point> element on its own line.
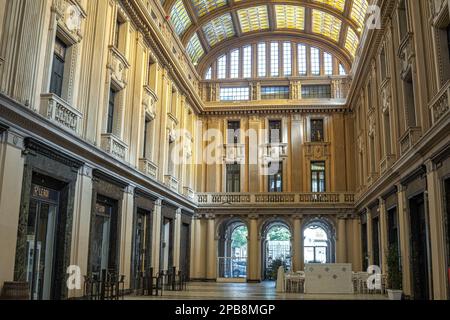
<point>57,77</point>
<point>234,64</point>
<point>328,63</point>
<point>302,66</point>
<point>146,149</point>
<point>342,71</point>
<point>383,65</point>
<point>448,43</point>
<point>318,177</point>
<point>274,131</point>
<point>247,62</point>
<point>317,130</point>
<point>316,91</point>
<point>287,59</point>
<point>117,33</point>
<point>233,177</point>
<point>111,107</point>
<point>274,59</point>
<point>222,67</point>
<point>276,179</point>
<point>233,132</point>
<point>262,60</point>
<point>279,92</point>
<point>315,61</point>
<point>235,94</point>
<point>208,74</point>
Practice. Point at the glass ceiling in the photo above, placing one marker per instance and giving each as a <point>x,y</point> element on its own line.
<point>207,23</point>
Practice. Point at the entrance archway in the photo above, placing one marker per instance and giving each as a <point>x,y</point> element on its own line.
<point>276,248</point>
<point>319,242</point>
<point>232,251</point>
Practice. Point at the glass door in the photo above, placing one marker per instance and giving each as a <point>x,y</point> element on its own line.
<point>101,239</point>
<point>40,248</point>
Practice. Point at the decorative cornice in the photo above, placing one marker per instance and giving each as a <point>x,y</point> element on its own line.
<point>36,147</point>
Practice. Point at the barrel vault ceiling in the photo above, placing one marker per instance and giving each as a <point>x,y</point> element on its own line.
<point>206,26</point>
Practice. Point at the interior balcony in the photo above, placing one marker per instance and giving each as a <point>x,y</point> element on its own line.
<point>114,146</point>
<point>61,113</point>
<point>188,193</point>
<point>148,168</point>
<point>171,182</point>
<point>409,139</point>
<point>234,152</point>
<point>440,105</point>
<point>274,199</point>
<point>386,163</point>
<point>275,151</point>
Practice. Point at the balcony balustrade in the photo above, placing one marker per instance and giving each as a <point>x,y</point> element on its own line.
<point>114,146</point>
<point>61,113</point>
<point>274,199</point>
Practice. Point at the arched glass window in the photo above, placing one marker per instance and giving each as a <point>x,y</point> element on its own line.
<point>261,59</point>
<point>234,64</point>
<point>247,62</point>
<point>316,245</point>
<point>222,67</point>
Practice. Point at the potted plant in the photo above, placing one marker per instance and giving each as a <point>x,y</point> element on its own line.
<point>394,274</point>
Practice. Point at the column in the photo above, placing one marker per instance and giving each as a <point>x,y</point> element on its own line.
<point>297,246</point>
<point>197,258</point>
<point>177,239</point>
<point>369,236</point>
<point>356,245</point>
<point>81,225</point>
<point>126,236</point>
<point>253,273</point>
<point>156,236</point>
<point>193,249</point>
<point>404,239</point>
<point>383,235</point>
<point>437,234</point>
<point>211,249</point>
<point>341,256</point>
<point>11,175</point>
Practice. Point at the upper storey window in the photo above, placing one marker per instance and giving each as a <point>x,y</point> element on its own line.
<point>275,59</point>
<point>234,64</point>
<point>222,67</point>
<point>247,62</point>
<point>262,60</point>
<point>59,57</point>
<point>235,94</point>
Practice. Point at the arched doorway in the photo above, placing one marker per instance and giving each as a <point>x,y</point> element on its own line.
<point>319,242</point>
<point>276,248</point>
<point>232,251</point>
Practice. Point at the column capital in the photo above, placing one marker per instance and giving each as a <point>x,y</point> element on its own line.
<point>158,202</point>
<point>87,171</point>
<point>298,217</point>
<point>13,138</point>
<point>430,166</point>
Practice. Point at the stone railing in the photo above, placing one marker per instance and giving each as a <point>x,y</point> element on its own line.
<point>188,192</point>
<point>113,145</point>
<point>275,151</point>
<point>171,182</point>
<point>148,168</point>
<point>118,65</point>
<point>234,152</point>
<point>386,163</point>
<point>61,113</point>
<point>409,139</point>
<point>439,106</point>
<point>149,102</point>
<point>243,199</point>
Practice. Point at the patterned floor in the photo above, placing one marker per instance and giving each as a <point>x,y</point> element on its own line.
<point>247,291</point>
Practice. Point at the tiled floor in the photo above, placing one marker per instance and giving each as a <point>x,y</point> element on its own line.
<point>247,291</point>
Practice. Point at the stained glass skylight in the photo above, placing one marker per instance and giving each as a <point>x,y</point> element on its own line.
<point>290,17</point>
<point>179,17</point>
<point>219,29</point>
<point>253,19</point>
<point>351,42</point>
<point>194,49</point>
<point>359,11</point>
<point>204,6</point>
<point>336,4</point>
<point>326,24</point>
